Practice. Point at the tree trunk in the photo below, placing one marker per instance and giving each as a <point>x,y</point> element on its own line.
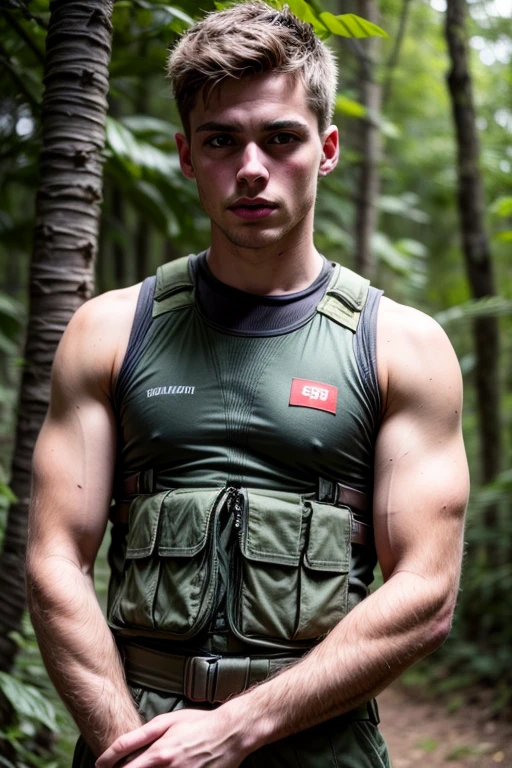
<point>65,242</point>
<point>368,184</point>
<point>475,243</point>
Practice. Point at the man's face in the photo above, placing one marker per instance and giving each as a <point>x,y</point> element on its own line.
<point>256,154</point>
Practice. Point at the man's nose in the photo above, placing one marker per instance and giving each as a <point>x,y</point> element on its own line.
<point>252,166</point>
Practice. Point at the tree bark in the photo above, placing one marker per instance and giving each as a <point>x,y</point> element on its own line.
<point>65,242</point>
<point>369,148</point>
<point>475,242</point>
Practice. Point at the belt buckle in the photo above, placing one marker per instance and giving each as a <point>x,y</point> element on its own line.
<point>199,678</point>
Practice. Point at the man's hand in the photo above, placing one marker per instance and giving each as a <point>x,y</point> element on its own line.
<point>188,738</point>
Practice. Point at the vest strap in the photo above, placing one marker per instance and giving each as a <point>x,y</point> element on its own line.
<point>345,297</point>
<point>174,287</point>
<point>328,492</point>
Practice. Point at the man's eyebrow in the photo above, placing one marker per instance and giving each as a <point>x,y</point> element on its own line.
<point>212,125</point>
<point>284,125</point>
<point>273,125</point>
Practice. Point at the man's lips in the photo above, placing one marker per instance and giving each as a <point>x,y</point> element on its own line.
<point>252,209</point>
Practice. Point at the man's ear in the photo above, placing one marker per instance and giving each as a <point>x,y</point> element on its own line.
<point>184,153</point>
<point>330,151</point>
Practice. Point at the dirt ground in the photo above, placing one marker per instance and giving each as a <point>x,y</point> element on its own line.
<point>422,732</point>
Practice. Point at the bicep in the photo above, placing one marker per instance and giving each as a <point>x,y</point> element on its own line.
<point>421,476</point>
<point>73,462</point>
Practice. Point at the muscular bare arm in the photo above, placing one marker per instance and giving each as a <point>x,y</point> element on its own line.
<point>421,487</point>
<point>72,485</point>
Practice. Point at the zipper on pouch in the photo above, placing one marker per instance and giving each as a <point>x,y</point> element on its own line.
<point>218,616</point>
<point>237,505</point>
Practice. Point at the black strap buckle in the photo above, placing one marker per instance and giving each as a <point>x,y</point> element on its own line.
<point>199,678</point>
<point>216,679</point>
<point>327,491</point>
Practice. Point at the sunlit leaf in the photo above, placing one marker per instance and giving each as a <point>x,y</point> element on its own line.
<point>306,13</point>
<point>350,107</point>
<point>502,206</point>
<point>505,236</point>
<point>350,25</point>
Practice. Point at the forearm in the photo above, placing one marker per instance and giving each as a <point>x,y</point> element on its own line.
<point>79,651</point>
<point>381,637</point>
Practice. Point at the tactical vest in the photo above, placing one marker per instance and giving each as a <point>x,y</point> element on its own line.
<point>244,502</point>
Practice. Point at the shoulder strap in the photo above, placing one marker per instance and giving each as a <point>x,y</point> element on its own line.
<point>345,297</point>
<point>174,287</point>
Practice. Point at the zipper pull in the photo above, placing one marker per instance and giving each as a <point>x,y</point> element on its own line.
<point>238,508</point>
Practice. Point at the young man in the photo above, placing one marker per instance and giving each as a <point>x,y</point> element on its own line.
<point>261,410</point>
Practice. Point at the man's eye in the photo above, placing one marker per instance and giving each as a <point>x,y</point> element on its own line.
<point>222,140</point>
<point>283,138</point>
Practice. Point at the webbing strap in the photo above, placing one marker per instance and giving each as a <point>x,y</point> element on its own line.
<point>174,287</point>
<point>198,678</point>
<point>211,678</point>
<point>345,297</point>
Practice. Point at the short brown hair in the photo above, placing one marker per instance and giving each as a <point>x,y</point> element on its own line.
<point>248,39</point>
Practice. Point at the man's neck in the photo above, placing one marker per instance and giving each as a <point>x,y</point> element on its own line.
<point>276,270</point>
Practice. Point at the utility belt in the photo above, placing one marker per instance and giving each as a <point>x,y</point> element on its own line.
<point>211,679</point>
<point>277,562</point>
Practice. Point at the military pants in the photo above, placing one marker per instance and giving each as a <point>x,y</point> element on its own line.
<point>348,741</point>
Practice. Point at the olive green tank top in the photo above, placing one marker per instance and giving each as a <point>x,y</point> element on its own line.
<point>200,406</point>
<point>204,407</point>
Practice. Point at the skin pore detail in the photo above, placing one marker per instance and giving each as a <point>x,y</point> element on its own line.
<point>255,153</point>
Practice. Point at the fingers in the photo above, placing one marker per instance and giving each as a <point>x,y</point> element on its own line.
<point>132,742</point>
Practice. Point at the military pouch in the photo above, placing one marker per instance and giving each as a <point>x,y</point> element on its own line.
<point>291,569</point>
<point>170,572</point>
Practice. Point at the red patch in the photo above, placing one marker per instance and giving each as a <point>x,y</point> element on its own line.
<point>314,394</point>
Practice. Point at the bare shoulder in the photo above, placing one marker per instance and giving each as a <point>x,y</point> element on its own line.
<point>415,358</point>
<point>94,344</point>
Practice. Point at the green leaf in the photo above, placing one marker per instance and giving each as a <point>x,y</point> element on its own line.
<point>144,126</point>
<point>306,13</point>
<point>412,248</point>
<point>152,203</point>
<point>139,155</point>
<point>350,25</point>
<point>175,19</point>
<point>121,17</point>
<point>502,206</point>
<point>505,236</point>
<point>391,256</point>
<point>489,306</point>
<point>404,205</point>
<point>6,493</point>
<point>350,107</point>
<point>27,701</point>
<point>7,346</point>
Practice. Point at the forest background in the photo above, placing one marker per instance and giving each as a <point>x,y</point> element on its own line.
<point>424,209</point>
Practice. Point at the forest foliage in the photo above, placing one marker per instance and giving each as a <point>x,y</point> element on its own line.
<point>151,213</point>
